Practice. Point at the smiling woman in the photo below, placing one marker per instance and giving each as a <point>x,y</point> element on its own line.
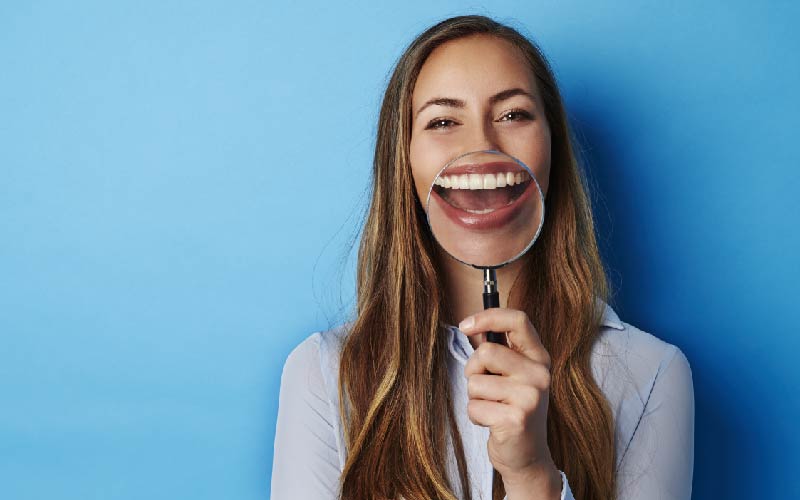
<point>401,402</point>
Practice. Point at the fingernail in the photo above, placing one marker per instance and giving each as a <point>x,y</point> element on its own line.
<point>467,323</point>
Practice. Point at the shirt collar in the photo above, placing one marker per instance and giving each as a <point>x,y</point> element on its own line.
<point>461,349</point>
<point>610,317</point>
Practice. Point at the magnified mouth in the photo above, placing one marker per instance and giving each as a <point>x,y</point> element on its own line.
<point>482,193</point>
<point>483,197</point>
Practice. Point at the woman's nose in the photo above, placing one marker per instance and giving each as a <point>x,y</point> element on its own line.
<point>485,137</point>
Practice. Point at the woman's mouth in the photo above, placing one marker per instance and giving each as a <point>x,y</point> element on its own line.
<point>482,197</point>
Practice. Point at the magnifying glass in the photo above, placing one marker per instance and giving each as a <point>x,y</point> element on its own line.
<point>486,209</point>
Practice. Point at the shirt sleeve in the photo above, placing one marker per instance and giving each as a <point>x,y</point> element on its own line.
<point>305,461</point>
<point>659,459</point>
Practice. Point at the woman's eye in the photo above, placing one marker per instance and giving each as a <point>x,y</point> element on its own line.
<point>438,123</point>
<point>518,113</point>
<point>515,115</point>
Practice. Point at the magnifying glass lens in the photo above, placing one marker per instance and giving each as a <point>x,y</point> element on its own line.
<point>485,208</point>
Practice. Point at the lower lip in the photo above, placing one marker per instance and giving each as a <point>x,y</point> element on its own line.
<point>488,221</point>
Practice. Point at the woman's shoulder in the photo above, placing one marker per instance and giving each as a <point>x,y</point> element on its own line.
<point>639,372</point>
<point>315,347</point>
<point>312,366</point>
<point>621,345</point>
<point>308,420</point>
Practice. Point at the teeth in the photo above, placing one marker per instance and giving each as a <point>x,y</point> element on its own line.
<point>501,180</point>
<point>481,181</point>
<point>484,211</point>
<point>475,181</point>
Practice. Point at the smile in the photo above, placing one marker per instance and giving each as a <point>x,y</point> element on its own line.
<point>481,181</point>
<point>482,197</point>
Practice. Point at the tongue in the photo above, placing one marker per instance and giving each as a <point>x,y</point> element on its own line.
<point>479,199</point>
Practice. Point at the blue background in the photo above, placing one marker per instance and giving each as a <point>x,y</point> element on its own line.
<point>180,183</point>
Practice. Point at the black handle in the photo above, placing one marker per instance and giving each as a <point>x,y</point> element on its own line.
<point>492,299</point>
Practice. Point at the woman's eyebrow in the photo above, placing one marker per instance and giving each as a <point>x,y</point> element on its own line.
<point>458,103</point>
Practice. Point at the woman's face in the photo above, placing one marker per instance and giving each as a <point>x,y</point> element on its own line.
<point>476,93</point>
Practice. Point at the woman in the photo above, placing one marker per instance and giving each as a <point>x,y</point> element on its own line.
<point>398,403</point>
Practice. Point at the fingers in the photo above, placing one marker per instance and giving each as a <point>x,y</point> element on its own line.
<point>522,336</point>
<point>495,358</point>
<point>501,360</point>
<point>503,390</point>
<point>496,415</point>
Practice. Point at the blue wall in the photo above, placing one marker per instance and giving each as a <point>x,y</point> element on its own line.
<point>158,257</point>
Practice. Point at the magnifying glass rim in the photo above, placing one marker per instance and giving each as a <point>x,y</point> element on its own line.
<point>538,188</point>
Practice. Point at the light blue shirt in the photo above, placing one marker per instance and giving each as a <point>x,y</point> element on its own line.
<point>647,381</point>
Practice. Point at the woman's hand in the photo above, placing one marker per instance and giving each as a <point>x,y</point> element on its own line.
<point>513,403</point>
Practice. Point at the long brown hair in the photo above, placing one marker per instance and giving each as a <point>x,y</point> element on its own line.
<point>393,381</point>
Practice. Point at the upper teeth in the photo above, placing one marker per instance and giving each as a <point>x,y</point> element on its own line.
<point>481,181</point>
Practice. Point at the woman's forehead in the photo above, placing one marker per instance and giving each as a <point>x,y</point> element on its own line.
<point>475,67</point>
